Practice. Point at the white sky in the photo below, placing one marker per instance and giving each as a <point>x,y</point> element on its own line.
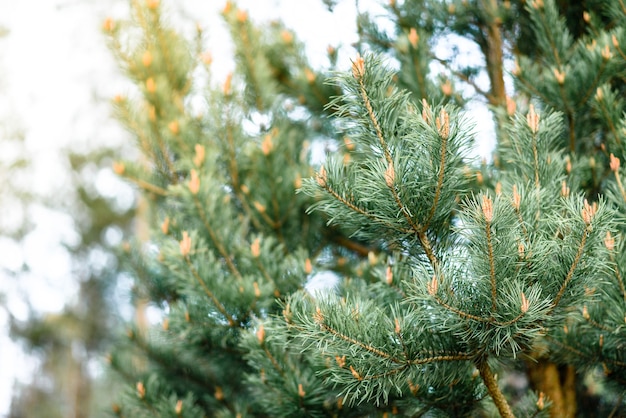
<point>56,75</point>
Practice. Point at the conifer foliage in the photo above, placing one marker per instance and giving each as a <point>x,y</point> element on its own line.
<point>454,278</point>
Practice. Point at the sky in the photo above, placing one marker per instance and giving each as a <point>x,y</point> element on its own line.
<point>56,77</point>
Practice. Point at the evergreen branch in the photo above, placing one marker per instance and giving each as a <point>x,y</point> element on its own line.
<point>440,178</point>
<point>492,267</point>
<point>463,314</point>
<point>427,247</point>
<point>570,273</point>
<point>358,343</point>
<point>385,147</point>
<point>597,324</point>
<point>609,120</point>
<point>147,186</point>
<point>234,175</point>
<point>620,185</point>
<point>207,291</point>
<point>441,358</point>
<point>273,361</point>
<point>492,387</point>
<point>216,242</point>
<point>363,212</point>
<point>618,276</point>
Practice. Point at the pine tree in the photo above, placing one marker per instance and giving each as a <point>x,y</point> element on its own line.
<point>455,279</point>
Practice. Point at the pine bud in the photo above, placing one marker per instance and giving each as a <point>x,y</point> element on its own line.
<point>174,127</point>
<point>585,312</point>
<point>152,4</point>
<point>141,390</point>
<point>615,41</point>
<point>443,124</point>
<point>525,303</point>
<point>150,85</point>
<point>260,334</point>
<point>560,76</point>
<point>541,401</point>
<point>564,189</point>
<point>185,244</point>
<point>433,286</point>
<point>287,37</point>
<point>194,182</point>
<point>259,206</point>
<point>588,212</point>
<point>389,275</point>
<point>426,111</point>
<point>614,163</point>
<point>510,106</point>
<point>108,25</point>
<point>165,324</point>
<point>517,199</point>
<point>207,58</point>
<point>487,207</point>
<point>356,374</point>
<point>446,88</point>
<point>198,158</point>
<point>179,407</point>
<point>521,249</point>
<point>301,391</point>
<point>340,403</point>
<point>152,113</point>
<point>266,145</point>
<point>609,241</point>
<point>255,248</point>
<point>309,75</point>
<point>257,290</point>
<point>413,37</point>
<point>165,225</point>
<point>601,341</point>
<point>219,393</point>
<point>321,176</point>
<point>414,388</point>
<point>341,361</point>
<point>536,4</point>
<point>245,189</point>
<point>397,325</point>
<point>242,16</point>
<point>119,168</point>
<point>308,267</point>
<point>533,119</point>
<point>390,175</point>
<point>146,59</point>
<point>606,53</point>
<point>358,67</point>
<point>226,89</point>
<point>586,17</point>
<point>297,182</point>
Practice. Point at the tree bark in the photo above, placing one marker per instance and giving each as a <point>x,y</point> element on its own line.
<point>559,386</point>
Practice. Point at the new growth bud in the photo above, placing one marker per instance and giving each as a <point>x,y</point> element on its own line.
<point>614,163</point>
<point>413,37</point>
<point>525,303</point>
<point>588,212</point>
<point>358,67</point>
<point>443,124</point>
<point>185,244</point>
<point>609,241</point>
<point>487,207</point>
<point>321,177</point>
<point>390,175</point>
<point>433,286</point>
<point>255,248</point>
<point>194,182</point>
<point>533,119</point>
